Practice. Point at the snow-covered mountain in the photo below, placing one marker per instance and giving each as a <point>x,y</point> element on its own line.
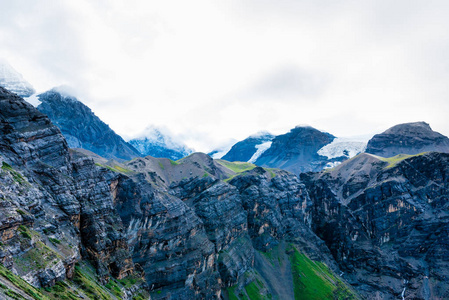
<point>158,142</point>
<point>13,81</point>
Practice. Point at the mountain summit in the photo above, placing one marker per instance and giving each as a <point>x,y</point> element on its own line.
<point>408,138</point>
<point>13,81</point>
<point>82,128</point>
<point>296,151</point>
<point>159,143</point>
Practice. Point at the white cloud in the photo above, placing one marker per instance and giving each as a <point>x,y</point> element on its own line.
<point>213,70</point>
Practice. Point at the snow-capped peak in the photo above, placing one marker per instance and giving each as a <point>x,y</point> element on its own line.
<point>13,81</point>
<point>160,142</point>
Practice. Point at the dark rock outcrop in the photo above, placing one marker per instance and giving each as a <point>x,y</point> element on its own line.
<point>408,138</point>
<point>386,223</point>
<point>279,208</point>
<point>82,128</point>
<point>218,205</point>
<point>169,241</point>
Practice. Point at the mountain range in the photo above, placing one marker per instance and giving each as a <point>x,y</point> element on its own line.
<point>75,224</point>
<point>306,149</point>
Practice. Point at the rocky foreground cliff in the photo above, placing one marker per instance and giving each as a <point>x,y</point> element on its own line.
<point>75,225</point>
<point>386,222</point>
<point>56,212</point>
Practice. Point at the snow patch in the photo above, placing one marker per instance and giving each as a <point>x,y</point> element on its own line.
<point>343,147</point>
<point>331,165</point>
<point>403,291</point>
<point>261,148</point>
<point>33,100</point>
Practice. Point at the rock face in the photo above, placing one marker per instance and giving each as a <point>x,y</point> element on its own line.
<point>195,235</point>
<point>409,138</point>
<point>278,207</point>
<point>157,144</point>
<point>296,151</point>
<point>185,227</point>
<point>54,209</point>
<point>13,81</point>
<point>386,223</point>
<point>246,149</point>
<point>169,241</point>
<point>82,128</point>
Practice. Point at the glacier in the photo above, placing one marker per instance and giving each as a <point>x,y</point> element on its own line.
<point>341,146</point>
<point>261,148</point>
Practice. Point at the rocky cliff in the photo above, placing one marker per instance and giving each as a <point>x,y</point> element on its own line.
<point>408,138</point>
<point>197,236</point>
<point>82,128</point>
<point>386,223</point>
<point>55,210</point>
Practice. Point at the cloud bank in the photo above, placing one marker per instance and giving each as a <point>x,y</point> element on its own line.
<point>210,71</point>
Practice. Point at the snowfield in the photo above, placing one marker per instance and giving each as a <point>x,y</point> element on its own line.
<point>348,147</point>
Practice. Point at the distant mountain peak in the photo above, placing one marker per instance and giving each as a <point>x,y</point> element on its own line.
<point>407,138</point>
<point>160,142</point>
<point>13,81</point>
<point>67,93</point>
<point>81,127</point>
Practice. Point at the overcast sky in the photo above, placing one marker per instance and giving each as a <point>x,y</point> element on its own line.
<point>214,70</point>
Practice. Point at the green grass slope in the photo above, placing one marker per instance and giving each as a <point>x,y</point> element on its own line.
<point>314,280</point>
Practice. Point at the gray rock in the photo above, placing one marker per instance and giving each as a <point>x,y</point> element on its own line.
<point>386,224</point>
<point>46,193</point>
